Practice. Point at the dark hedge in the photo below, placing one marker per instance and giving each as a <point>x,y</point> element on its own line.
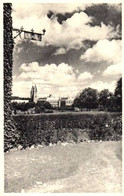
<point>45,129</point>
<point>10,134</point>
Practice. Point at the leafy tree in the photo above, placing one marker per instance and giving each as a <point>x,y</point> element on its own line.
<point>39,108</point>
<point>77,102</point>
<point>47,105</point>
<point>105,99</point>
<point>29,105</point>
<point>112,104</point>
<point>22,106</point>
<point>118,95</point>
<point>42,105</point>
<point>87,99</point>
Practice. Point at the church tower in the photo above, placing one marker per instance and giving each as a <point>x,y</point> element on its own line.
<point>33,94</point>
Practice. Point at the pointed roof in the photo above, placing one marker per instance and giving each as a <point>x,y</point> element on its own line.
<point>35,87</point>
<point>32,88</point>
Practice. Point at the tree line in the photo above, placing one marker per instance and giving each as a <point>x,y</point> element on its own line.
<point>90,99</point>
<point>39,106</point>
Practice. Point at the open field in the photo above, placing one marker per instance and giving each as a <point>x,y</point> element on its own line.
<point>82,167</point>
<point>69,112</point>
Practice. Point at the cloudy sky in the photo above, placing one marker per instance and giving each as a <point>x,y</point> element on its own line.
<point>81,48</point>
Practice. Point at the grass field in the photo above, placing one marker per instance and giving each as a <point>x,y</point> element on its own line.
<point>82,167</point>
<point>68,112</point>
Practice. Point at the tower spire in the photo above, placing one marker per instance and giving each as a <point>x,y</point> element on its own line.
<point>33,93</point>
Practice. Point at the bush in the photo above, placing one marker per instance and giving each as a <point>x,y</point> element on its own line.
<point>39,109</point>
<point>51,128</point>
<point>48,111</point>
<point>10,133</point>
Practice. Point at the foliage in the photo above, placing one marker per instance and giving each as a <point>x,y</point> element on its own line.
<point>50,128</point>
<point>104,99</point>
<point>118,95</point>
<point>29,105</point>
<point>39,109</point>
<point>22,106</point>
<point>19,106</point>
<point>10,133</point>
<point>77,102</point>
<point>87,99</point>
<point>41,106</point>
<point>112,106</point>
<point>47,105</point>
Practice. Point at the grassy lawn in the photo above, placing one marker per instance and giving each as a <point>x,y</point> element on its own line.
<point>82,167</point>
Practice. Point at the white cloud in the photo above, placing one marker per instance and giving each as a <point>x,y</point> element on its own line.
<point>60,51</point>
<point>112,70</point>
<point>21,88</point>
<point>58,80</point>
<point>100,85</point>
<point>69,34</point>
<point>26,10</point>
<point>74,31</point>
<point>104,50</point>
<point>50,79</point>
<point>84,76</point>
<point>62,74</point>
<point>29,66</point>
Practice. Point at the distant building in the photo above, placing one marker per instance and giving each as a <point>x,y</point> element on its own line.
<point>62,101</point>
<point>56,102</point>
<point>42,99</point>
<point>33,94</point>
<point>69,101</point>
<point>20,99</point>
<point>66,101</point>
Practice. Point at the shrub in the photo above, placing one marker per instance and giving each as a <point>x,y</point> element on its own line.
<point>10,133</point>
<point>51,128</point>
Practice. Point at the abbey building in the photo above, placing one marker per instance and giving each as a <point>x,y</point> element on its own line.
<point>54,101</point>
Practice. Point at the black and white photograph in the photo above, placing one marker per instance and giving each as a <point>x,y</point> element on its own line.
<point>62,89</point>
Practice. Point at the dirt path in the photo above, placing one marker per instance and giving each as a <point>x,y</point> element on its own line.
<point>84,167</point>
